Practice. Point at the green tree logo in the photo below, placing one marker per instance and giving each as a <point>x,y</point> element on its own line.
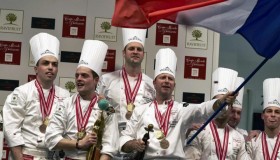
<point>70,86</point>
<point>11,17</point>
<point>196,34</point>
<point>105,26</point>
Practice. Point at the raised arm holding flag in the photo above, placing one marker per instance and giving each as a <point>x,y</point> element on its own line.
<point>255,20</point>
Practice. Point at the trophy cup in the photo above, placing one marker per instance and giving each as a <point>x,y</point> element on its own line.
<point>94,152</point>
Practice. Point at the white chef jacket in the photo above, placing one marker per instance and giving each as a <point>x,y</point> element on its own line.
<point>242,131</point>
<point>64,125</point>
<point>191,150</point>
<point>112,86</point>
<point>205,145</point>
<point>181,118</point>
<point>254,147</point>
<point>22,115</point>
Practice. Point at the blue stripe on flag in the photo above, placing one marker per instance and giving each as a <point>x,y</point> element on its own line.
<point>262,28</point>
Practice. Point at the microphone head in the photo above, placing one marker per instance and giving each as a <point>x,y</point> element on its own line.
<point>103,104</point>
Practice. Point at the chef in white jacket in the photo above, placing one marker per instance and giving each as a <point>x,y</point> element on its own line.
<point>235,115</point>
<point>266,145</point>
<point>29,107</point>
<point>169,118</point>
<point>219,141</point>
<point>128,87</point>
<point>71,128</point>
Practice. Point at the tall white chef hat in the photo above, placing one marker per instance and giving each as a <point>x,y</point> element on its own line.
<point>239,99</point>
<point>133,35</point>
<point>223,80</point>
<point>166,61</point>
<point>271,92</point>
<point>93,55</point>
<point>44,44</point>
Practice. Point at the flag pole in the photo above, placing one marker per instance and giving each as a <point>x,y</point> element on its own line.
<point>224,104</point>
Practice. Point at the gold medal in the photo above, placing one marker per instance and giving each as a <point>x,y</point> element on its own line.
<point>81,134</point>
<point>128,115</point>
<point>43,128</point>
<point>44,125</point>
<point>159,134</point>
<point>130,107</point>
<point>46,121</point>
<point>164,144</point>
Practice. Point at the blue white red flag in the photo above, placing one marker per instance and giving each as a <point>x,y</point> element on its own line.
<point>258,21</point>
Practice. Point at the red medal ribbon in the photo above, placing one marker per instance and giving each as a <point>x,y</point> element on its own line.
<point>220,150</point>
<point>82,120</point>
<point>130,95</point>
<point>163,119</point>
<point>45,106</point>
<point>265,148</point>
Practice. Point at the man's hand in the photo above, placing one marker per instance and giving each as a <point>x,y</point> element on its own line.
<point>134,145</point>
<point>139,145</point>
<point>228,98</point>
<point>195,126</point>
<point>253,134</point>
<point>89,140</point>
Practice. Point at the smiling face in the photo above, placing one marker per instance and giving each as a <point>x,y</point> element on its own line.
<point>164,85</point>
<point>133,54</point>
<point>86,81</point>
<point>271,117</point>
<point>234,117</point>
<point>46,69</point>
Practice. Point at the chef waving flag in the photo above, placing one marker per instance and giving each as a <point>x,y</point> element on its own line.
<point>257,21</point>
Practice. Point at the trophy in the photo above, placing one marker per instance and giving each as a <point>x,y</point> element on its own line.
<point>146,137</point>
<point>94,152</point>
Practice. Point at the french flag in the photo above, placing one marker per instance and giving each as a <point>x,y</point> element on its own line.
<point>258,21</point>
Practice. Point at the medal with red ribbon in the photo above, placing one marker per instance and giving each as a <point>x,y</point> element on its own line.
<point>265,148</point>
<point>220,150</point>
<point>45,106</point>
<point>130,94</point>
<point>163,122</point>
<point>82,120</point>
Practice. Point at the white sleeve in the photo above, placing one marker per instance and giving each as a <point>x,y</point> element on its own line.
<point>197,112</point>
<point>57,125</point>
<point>193,150</point>
<point>13,116</point>
<point>242,154</point>
<point>132,126</point>
<point>249,148</point>
<point>110,139</point>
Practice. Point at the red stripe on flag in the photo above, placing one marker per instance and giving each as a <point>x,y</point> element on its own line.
<point>144,13</point>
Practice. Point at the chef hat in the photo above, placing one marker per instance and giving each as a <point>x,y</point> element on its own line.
<point>44,44</point>
<point>239,99</point>
<point>271,92</point>
<point>223,80</point>
<point>93,55</point>
<point>166,61</point>
<point>133,35</point>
